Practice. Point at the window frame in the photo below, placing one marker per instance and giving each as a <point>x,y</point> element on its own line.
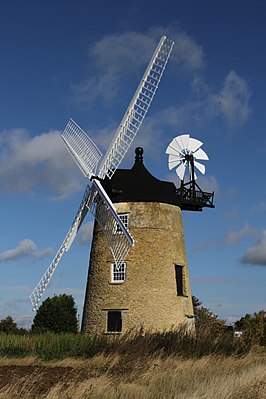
<point>113,271</point>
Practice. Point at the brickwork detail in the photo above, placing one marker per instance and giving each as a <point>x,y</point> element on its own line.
<point>148,297</point>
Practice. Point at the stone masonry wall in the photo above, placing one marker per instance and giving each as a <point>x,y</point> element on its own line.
<point>148,298</point>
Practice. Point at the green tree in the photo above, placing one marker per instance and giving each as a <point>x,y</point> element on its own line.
<point>8,326</point>
<point>57,314</point>
<point>254,326</point>
<point>205,318</point>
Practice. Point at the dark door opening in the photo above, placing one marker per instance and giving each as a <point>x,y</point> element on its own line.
<point>114,321</point>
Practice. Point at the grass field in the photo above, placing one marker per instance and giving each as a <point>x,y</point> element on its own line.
<point>110,377</point>
<point>155,366</point>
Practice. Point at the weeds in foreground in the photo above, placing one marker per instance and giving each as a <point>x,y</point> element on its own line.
<point>135,343</point>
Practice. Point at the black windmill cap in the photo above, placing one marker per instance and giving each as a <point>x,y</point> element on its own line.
<point>139,185</point>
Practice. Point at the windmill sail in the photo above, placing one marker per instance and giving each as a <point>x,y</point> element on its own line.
<point>41,286</point>
<point>82,148</point>
<point>137,109</point>
<point>108,219</point>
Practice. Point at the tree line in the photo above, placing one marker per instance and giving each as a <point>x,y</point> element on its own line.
<point>58,314</point>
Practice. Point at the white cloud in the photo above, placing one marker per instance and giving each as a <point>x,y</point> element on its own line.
<point>228,103</point>
<point>187,54</point>
<point>256,255</point>
<point>234,237</point>
<point>26,248</point>
<point>232,101</point>
<point>117,56</point>
<point>41,162</point>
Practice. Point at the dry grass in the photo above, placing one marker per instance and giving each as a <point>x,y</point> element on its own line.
<point>127,377</point>
<point>169,365</point>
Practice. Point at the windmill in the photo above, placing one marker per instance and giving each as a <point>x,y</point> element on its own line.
<point>185,153</point>
<point>150,288</point>
<point>97,168</point>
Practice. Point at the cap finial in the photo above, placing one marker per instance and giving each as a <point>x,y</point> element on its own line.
<point>139,154</point>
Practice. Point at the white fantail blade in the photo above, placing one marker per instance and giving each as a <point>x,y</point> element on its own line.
<point>173,149</point>
<point>174,160</point>
<point>41,286</point>
<point>183,141</point>
<point>201,155</point>
<point>82,148</point>
<point>179,143</point>
<point>104,211</point>
<point>194,145</point>
<point>137,109</point>
<point>180,170</point>
<point>200,167</point>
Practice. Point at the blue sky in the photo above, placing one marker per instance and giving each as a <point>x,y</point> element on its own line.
<point>84,60</point>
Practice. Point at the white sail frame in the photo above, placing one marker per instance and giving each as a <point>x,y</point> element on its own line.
<point>87,156</point>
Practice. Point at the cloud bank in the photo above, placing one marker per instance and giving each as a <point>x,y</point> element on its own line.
<point>26,248</point>
<point>28,163</point>
<point>116,56</point>
<point>256,255</point>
